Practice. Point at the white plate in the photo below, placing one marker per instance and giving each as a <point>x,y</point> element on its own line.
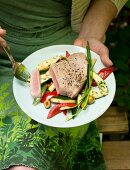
<point>39,113</point>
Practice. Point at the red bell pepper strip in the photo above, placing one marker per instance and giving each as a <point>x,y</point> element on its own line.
<point>64,112</point>
<point>56,109</point>
<point>67,54</point>
<point>103,73</point>
<point>48,95</point>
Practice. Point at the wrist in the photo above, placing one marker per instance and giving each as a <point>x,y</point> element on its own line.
<point>86,38</point>
<point>91,31</point>
<point>97,19</point>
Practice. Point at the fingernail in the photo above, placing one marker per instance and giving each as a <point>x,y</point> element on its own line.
<point>111,63</point>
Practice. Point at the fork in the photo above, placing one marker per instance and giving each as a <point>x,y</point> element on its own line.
<point>19,70</point>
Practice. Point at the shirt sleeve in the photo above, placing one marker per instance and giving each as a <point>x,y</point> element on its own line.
<point>119,4</point>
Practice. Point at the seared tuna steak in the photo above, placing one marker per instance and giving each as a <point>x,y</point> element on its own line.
<point>69,74</point>
<point>35,84</point>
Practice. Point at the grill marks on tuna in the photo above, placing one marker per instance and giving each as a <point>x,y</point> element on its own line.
<point>69,74</point>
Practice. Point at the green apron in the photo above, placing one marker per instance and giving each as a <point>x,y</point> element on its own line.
<point>32,25</point>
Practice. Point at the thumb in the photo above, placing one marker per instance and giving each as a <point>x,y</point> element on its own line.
<point>99,48</point>
<point>104,55</point>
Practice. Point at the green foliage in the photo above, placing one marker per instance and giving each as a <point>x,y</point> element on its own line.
<point>128,4</point>
<point>118,42</point>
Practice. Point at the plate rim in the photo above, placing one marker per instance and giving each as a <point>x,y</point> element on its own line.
<point>85,122</point>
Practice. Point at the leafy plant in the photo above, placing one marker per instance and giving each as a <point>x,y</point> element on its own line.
<point>118,42</point>
<point>128,4</point>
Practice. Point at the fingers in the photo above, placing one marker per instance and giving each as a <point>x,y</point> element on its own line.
<point>2,41</point>
<point>98,47</point>
<point>102,51</point>
<point>104,54</point>
<point>2,32</point>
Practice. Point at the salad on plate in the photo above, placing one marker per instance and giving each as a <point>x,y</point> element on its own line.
<point>67,83</point>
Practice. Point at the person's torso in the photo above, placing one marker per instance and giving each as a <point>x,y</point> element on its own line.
<point>32,25</point>
<point>24,14</point>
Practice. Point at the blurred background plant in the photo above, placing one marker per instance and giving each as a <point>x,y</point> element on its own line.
<point>118,42</point>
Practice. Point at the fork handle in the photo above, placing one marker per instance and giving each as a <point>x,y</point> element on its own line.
<point>7,51</point>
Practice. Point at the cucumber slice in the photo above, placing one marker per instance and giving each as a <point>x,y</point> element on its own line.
<point>79,98</point>
<point>52,87</point>
<point>97,93</point>
<point>45,77</point>
<point>66,108</point>
<point>100,82</point>
<point>36,101</point>
<point>62,99</point>
<point>44,65</point>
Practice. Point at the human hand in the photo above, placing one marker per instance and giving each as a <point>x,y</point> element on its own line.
<point>2,41</point>
<point>96,46</point>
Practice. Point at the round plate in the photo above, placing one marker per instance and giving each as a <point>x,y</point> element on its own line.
<point>39,113</point>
